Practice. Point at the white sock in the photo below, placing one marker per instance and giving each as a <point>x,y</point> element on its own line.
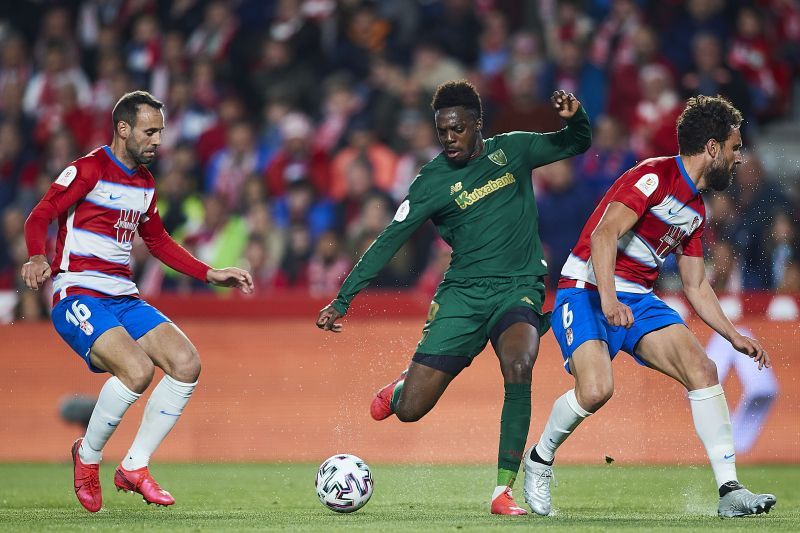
<point>114,400</point>
<point>498,490</point>
<point>564,418</point>
<point>163,409</point>
<point>713,425</point>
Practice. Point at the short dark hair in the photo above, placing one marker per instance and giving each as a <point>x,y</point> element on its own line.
<point>706,117</point>
<point>127,107</point>
<point>458,93</point>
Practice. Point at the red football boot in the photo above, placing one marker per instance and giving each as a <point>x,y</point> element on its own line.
<point>381,406</point>
<point>505,504</point>
<point>141,481</point>
<point>87,481</point>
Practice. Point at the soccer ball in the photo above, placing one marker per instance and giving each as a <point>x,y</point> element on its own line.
<point>344,483</point>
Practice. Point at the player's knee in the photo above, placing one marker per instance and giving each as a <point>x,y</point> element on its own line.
<point>408,412</point>
<point>518,368</point>
<point>137,375</point>
<point>595,396</point>
<point>705,375</point>
<point>186,365</point>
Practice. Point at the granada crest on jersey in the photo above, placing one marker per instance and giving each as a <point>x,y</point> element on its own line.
<point>127,224</point>
<point>498,157</point>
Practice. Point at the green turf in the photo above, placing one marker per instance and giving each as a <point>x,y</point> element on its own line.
<point>223,497</point>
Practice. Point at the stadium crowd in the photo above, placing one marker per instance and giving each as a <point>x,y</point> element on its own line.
<point>294,127</point>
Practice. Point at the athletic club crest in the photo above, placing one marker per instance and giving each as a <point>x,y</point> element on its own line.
<point>127,224</point>
<point>498,157</point>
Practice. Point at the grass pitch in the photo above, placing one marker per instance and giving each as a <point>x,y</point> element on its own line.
<point>236,497</point>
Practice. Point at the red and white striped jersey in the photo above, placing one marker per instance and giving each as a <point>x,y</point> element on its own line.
<point>671,215</point>
<point>100,204</point>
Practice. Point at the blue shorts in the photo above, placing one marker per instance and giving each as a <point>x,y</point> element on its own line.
<point>81,319</point>
<point>578,317</point>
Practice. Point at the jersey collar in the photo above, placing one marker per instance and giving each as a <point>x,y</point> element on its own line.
<point>120,164</point>
<point>684,174</point>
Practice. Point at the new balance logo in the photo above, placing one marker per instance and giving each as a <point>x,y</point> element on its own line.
<point>455,188</point>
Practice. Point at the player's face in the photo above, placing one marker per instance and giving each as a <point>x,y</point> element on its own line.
<point>145,136</point>
<point>458,132</point>
<point>720,175</point>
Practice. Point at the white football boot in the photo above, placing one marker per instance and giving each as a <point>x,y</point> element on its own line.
<point>740,502</point>
<point>537,485</point>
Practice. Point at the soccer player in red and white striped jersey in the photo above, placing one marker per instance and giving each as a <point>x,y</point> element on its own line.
<point>605,302</point>
<point>101,201</point>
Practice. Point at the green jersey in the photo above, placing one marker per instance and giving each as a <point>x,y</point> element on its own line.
<point>485,210</point>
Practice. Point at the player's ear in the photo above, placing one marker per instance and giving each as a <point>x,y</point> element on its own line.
<point>712,147</point>
<point>123,129</point>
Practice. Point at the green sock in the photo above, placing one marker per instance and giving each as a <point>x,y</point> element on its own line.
<point>396,393</point>
<point>514,424</point>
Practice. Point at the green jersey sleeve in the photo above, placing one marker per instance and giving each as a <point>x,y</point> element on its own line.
<point>574,139</point>
<point>418,207</point>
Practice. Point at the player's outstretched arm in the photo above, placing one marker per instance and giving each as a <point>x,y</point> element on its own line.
<point>327,318</point>
<point>704,301</point>
<point>35,272</point>
<point>231,277</point>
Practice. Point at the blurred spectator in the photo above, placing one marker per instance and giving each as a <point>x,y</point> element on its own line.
<point>494,45</point>
<point>340,107</point>
<point>751,54</point>
<point>301,205</point>
<point>213,38</point>
<point>214,136</point>
<point>724,270</point>
<point>290,25</point>
<point>431,67</point>
<point>624,84</point>
<point>571,72</point>
<point>433,274</point>
<point>607,159</point>
<point>57,28</point>
<point>564,206</point>
<point>67,113</point>
<point>143,51</point>
<point>422,147</point>
<point>613,44</point>
<point>172,63</point>
<point>570,24</point>
<point>179,205</point>
<point>528,109</point>
<point>17,169</point>
<point>186,120</point>
<point>653,132</point>
<point>711,76</point>
<point>757,202</point>
<point>258,262</point>
<point>294,267</point>
<point>781,247</point>
<point>263,227</point>
<point>364,33</point>
<point>279,73</point>
<point>229,168</point>
<point>362,143</point>
<point>222,236</point>
<point>697,17</point>
<point>42,91</point>
<point>328,266</point>
<point>456,21</point>
<point>298,159</point>
<point>15,65</point>
<point>205,89</point>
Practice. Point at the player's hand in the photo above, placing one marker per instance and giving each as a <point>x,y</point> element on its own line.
<point>35,272</point>
<point>231,277</point>
<point>327,319</point>
<point>753,348</point>
<point>565,103</point>
<point>617,313</point>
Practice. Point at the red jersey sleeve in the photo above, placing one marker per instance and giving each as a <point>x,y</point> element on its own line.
<point>165,249</point>
<point>71,186</point>
<point>640,189</point>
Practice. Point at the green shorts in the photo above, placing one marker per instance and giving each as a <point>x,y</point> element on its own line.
<point>464,311</point>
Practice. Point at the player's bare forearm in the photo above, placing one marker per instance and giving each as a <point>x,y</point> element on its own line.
<point>604,256</point>
<point>705,303</point>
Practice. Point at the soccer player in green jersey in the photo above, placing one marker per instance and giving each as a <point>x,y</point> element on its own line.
<point>479,195</point>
